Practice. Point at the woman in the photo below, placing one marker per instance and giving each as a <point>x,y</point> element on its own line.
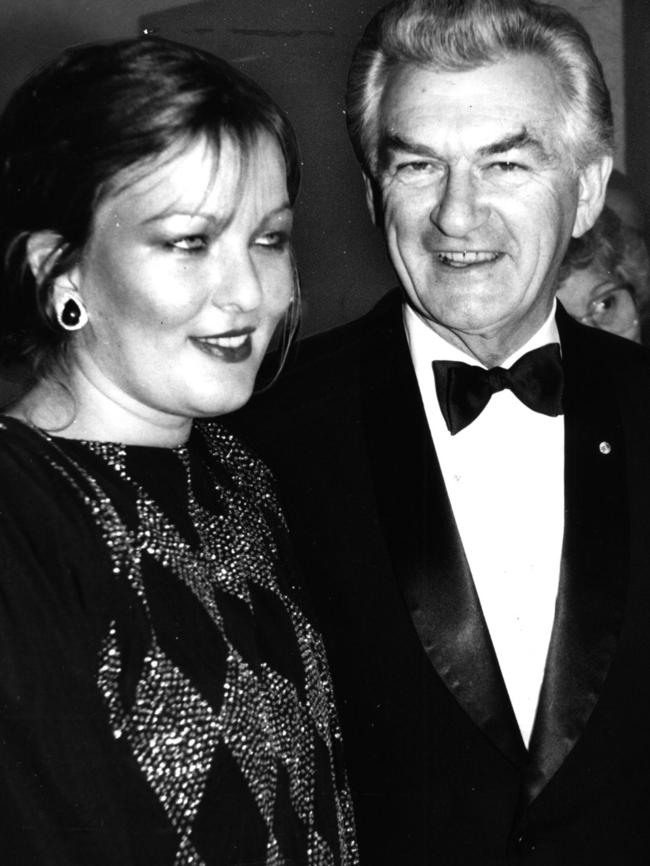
<point>164,699</point>
<point>604,277</point>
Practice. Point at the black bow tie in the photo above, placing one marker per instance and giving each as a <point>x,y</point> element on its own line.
<point>464,390</point>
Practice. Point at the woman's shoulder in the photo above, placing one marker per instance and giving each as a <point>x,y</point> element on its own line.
<point>50,493</point>
<point>48,529</point>
<point>25,454</point>
<point>14,431</point>
<point>38,458</point>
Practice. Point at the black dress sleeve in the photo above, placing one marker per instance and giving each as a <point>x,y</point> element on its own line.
<point>62,794</point>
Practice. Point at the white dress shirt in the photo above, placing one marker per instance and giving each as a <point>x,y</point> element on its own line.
<point>505,479</point>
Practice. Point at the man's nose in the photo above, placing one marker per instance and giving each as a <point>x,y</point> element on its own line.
<point>237,282</point>
<point>459,209</point>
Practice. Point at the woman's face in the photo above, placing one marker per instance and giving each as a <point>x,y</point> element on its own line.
<point>186,275</point>
<point>595,298</point>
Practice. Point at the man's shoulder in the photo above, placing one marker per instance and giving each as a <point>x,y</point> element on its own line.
<point>344,344</point>
<point>607,376</point>
<point>600,352</point>
<point>328,363</point>
<point>320,385</point>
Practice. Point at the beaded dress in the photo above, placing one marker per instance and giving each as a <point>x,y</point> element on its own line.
<point>164,695</point>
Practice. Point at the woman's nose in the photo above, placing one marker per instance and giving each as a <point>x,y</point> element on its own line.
<point>238,285</point>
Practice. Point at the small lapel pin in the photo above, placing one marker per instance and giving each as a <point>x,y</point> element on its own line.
<point>605,448</point>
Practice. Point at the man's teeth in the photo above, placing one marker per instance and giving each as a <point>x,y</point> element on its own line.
<point>466,257</point>
<point>226,342</point>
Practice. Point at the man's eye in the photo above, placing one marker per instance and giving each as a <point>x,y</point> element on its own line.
<point>417,167</point>
<point>189,243</point>
<point>507,166</point>
<point>417,172</point>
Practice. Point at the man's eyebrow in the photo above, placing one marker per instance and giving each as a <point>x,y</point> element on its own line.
<point>390,142</point>
<point>516,141</point>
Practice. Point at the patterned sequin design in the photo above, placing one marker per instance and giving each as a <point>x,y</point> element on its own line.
<point>280,730</point>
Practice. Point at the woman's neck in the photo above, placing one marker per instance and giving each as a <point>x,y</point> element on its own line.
<point>74,409</point>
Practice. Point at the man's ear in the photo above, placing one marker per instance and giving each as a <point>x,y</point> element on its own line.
<point>374,200</point>
<point>591,193</point>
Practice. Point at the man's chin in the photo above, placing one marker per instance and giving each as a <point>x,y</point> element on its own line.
<point>466,315</point>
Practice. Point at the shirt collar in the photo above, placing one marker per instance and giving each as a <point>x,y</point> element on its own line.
<point>427,345</point>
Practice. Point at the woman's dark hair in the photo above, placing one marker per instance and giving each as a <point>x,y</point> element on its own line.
<point>69,132</point>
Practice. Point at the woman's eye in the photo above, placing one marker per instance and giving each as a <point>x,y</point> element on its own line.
<point>273,240</point>
<point>606,303</point>
<point>189,243</point>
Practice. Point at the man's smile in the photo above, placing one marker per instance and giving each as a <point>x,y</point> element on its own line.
<point>465,258</point>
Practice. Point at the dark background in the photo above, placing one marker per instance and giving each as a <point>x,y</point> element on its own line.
<point>300,50</point>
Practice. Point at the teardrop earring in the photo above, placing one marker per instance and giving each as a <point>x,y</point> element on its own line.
<point>70,312</point>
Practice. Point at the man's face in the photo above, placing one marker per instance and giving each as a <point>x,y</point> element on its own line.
<point>478,203</point>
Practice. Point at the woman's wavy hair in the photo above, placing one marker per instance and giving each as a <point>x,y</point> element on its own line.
<point>458,35</point>
<point>70,132</point>
<point>614,249</point>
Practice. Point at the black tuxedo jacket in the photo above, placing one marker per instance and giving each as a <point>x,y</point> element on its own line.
<point>437,767</point>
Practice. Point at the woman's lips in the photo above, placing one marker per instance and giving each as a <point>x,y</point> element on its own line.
<point>231,347</point>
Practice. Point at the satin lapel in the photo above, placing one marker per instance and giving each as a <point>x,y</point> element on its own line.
<point>427,553</point>
<point>595,559</point>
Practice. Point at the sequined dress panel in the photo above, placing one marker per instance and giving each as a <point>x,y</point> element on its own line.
<point>164,697</point>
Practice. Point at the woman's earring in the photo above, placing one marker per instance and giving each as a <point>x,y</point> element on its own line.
<point>70,312</point>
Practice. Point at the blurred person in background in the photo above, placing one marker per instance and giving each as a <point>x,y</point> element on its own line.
<point>603,281</point>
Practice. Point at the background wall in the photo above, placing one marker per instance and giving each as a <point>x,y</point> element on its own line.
<point>32,31</point>
<point>299,50</point>
<point>636,66</point>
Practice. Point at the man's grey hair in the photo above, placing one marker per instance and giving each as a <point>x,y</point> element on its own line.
<point>458,35</point>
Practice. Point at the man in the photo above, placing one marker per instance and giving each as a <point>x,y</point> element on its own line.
<point>476,544</point>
